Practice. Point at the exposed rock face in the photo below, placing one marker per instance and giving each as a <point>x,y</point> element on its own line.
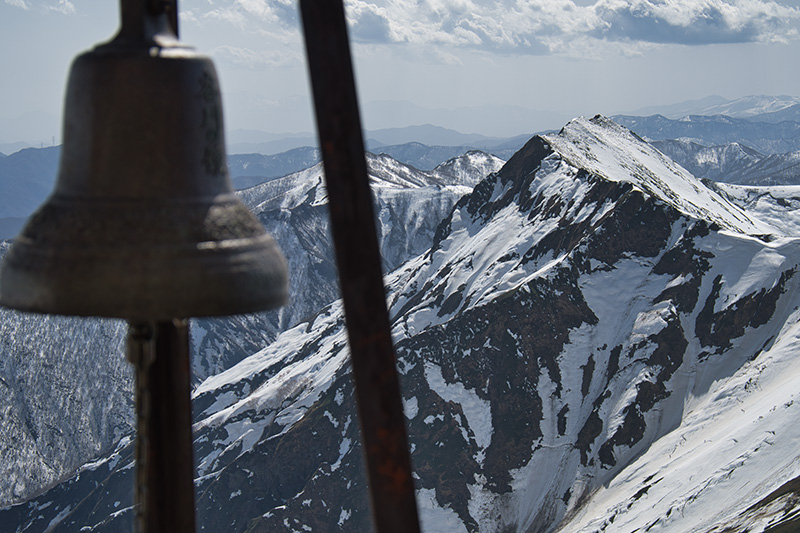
<point>594,341</point>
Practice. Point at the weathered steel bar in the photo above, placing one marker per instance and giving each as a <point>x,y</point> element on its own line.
<point>164,493</point>
<point>358,258</point>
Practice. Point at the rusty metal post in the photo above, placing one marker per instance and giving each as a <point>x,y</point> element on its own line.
<point>164,492</point>
<point>358,258</point>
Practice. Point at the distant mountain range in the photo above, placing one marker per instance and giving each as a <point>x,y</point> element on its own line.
<point>755,107</point>
<point>27,176</point>
<point>248,170</point>
<point>733,163</point>
<point>735,150</point>
<point>500,120</point>
<point>26,179</point>
<point>497,119</point>
<point>765,137</point>
<point>251,141</point>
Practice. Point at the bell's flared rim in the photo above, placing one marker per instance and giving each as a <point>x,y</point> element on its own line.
<point>235,279</point>
<point>81,259</point>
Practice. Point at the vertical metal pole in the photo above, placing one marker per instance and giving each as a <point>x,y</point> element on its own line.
<point>358,258</point>
<point>159,351</point>
<point>164,494</point>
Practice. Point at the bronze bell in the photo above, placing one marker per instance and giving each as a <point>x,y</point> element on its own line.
<point>143,223</point>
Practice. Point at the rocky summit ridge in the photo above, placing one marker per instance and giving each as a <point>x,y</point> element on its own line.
<point>594,341</point>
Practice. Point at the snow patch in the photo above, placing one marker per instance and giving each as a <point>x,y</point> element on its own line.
<point>477,411</point>
<point>410,407</point>
<point>435,518</point>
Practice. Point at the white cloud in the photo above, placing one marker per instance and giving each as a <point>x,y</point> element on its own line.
<point>696,21</point>
<point>368,22</point>
<point>231,16</point>
<point>533,26</point>
<point>258,12</point>
<point>251,59</point>
<point>63,6</point>
<point>276,19</point>
<point>559,26</point>
<point>18,3</point>
<point>259,8</point>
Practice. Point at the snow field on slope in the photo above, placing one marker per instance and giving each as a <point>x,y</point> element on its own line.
<point>543,480</point>
<point>681,474</point>
<point>730,409</point>
<point>435,518</point>
<point>544,477</point>
<point>473,249</point>
<point>732,252</point>
<point>477,411</point>
<point>777,206</point>
<point>746,265</point>
<point>286,189</point>
<point>285,396</point>
<point>750,264</point>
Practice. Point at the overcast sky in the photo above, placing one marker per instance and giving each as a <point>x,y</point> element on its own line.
<point>499,67</point>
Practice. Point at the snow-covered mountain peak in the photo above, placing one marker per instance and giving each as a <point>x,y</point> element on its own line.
<point>386,171</point>
<point>750,106</point>
<point>464,169</point>
<point>385,174</point>
<point>613,152</point>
